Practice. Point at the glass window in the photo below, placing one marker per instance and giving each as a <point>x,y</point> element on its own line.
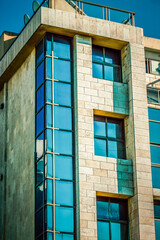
<point>40,122</point>
<point>49,45</point>
<point>157,218</point>
<point>63,142</point>
<point>49,218</point>
<point>154,130</point>
<point>109,137</point>
<point>106,63</point>
<point>39,171</point>
<point>40,75</point>
<point>64,188</point>
<point>64,219</point>
<point>49,191</point>
<point>39,145</point>
<point>49,140</point>
<point>40,98</point>
<point>62,70</point>
<point>155,177</point>
<point>62,94</point>
<point>155,154</point>
<point>49,165</point>
<point>39,222</point>
<point>61,48</point>
<point>152,95</point>
<point>49,67</point>
<point>39,52</point>
<point>48,116</point>
<point>63,167</point>
<point>62,236</point>
<point>155,67</point>
<point>112,218</point>
<point>63,118</point>
<point>39,196</point>
<point>154,114</point>
<point>48,91</point>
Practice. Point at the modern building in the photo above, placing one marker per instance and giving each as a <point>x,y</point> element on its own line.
<point>79,126</point>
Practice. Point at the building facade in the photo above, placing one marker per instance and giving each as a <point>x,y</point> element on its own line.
<point>80,123</point>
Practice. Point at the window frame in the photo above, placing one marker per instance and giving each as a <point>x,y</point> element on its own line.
<point>149,67</point>
<point>103,63</point>
<point>109,220</point>
<point>106,138</point>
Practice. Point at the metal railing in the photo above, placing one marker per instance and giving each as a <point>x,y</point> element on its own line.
<point>103,12</point>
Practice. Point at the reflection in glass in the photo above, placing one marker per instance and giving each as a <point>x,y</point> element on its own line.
<point>152,95</point>
<point>97,70</point>
<point>97,53</point>
<point>39,145</point>
<point>39,171</point>
<point>39,222</point>
<point>49,67</point>
<point>39,122</point>
<point>157,229</point>
<point>155,177</point>
<point>112,56</point>
<point>48,91</point>
<point>62,70</point>
<point>112,149</point>
<point>40,75</point>
<point>64,188</point>
<point>154,114</point>
<point>63,167</point>
<point>39,196</point>
<point>154,128</point>
<point>63,142</point>
<point>157,209</point>
<point>100,147</point>
<point>49,191</point>
<point>102,210</point>
<point>118,231</point>
<point>62,93</point>
<point>64,219</point>
<point>49,165</point>
<point>103,230</point>
<point>49,236</point>
<point>39,52</point>
<point>63,118</point>
<point>49,46</point>
<point>61,236</point>
<point>112,130</point>
<point>48,116</point>
<point>61,48</point>
<point>100,128</point>
<point>49,217</point>
<point>115,211</point>
<point>40,98</point>
<point>49,140</point>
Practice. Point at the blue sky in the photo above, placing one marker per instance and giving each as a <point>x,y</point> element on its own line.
<point>147,13</point>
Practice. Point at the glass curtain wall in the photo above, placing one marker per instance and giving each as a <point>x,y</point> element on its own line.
<point>54,160</point>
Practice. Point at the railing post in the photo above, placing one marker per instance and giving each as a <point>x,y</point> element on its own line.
<point>133,22</point>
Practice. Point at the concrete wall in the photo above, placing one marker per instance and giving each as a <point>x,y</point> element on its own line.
<point>19,178</point>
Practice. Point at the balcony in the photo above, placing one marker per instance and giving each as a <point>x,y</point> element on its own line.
<point>103,12</point>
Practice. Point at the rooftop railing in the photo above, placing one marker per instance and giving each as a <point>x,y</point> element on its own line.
<point>103,12</point>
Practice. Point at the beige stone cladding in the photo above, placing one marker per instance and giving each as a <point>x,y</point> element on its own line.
<point>19,170</point>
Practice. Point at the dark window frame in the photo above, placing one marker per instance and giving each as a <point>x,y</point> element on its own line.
<point>106,138</point>
<point>104,63</point>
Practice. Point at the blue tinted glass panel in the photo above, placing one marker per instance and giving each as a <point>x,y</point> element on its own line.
<point>49,46</point>
<point>100,128</point>
<point>156,177</point>
<point>112,149</point>
<point>157,229</point>
<point>48,91</point>
<point>112,56</point>
<point>40,98</point>
<point>63,142</point>
<point>49,165</point>
<point>62,70</point>
<point>49,140</point>
<point>63,118</point>
<point>61,48</point>
<point>48,67</point>
<point>63,167</point>
<point>97,54</point>
<point>39,222</point>
<point>154,114</point>
<point>64,219</point>
<point>62,94</point>
<point>100,147</point>
<point>49,236</point>
<point>111,130</point>
<point>49,217</point>
<point>97,70</point>
<point>39,196</point>
<point>115,211</point>
<point>39,52</point>
<point>39,171</point>
<point>155,154</point>
<point>112,73</point>
<point>121,150</point>
<point>39,122</point>
<point>102,210</point>
<point>157,210</point>
<point>154,129</point>
<point>103,230</point>
<point>48,116</point>
<point>49,191</point>
<point>40,75</point>
<point>118,231</point>
<point>39,145</point>
<point>61,236</point>
<point>64,188</point>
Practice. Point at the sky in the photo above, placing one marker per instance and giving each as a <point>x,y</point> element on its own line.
<point>147,14</point>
